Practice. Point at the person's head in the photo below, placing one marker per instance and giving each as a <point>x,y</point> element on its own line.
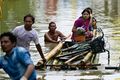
<point>52,26</point>
<point>8,41</point>
<point>94,22</point>
<point>86,14</point>
<point>28,21</point>
<point>90,9</point>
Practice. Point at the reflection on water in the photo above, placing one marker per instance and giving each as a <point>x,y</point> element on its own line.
<point>64,12</point>
<point>114,8</point>
<point>50,9</point>
<point>12,13</point>
<point>1,3</point>
<point>78,75</point>
<point>49,46</point>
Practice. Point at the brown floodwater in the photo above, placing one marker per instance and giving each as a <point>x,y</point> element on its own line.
<point>64,13</point>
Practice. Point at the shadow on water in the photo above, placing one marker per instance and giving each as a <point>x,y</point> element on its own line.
<point>64,13</point>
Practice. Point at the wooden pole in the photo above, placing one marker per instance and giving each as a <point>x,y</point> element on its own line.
<point>73,58</point>
<point>53,52</point>
<point>87,57</point>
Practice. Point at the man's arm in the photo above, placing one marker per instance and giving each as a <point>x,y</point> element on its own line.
<point>28,72</point>
<point>62,36</point>
<point>40,52</point>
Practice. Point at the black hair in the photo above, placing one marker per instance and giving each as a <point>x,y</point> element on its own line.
<point>11,36</point>
<point>90,9</point>
<point>94,19</point>
<point>86,10</point>
<point>29,15</point>
<point>51,23</point>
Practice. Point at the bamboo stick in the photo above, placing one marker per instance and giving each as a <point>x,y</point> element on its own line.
<point>73,58</point>
<point>87,57</point>
<point>77,65</point>
<point>64,65</point>
<point>68,61</point>
<point>56,61</point>
<point>53,52</point>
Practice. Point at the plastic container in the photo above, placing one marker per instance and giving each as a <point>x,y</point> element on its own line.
<point>80,38</point>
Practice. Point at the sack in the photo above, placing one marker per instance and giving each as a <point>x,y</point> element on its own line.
<point>97,45</point>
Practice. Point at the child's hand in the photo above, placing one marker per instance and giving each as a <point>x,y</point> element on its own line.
<point>91,15</point>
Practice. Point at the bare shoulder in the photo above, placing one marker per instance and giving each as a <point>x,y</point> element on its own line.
<point>58,32</point>
<point>46,33</point>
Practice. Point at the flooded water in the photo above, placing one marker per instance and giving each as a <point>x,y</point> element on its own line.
<point>64,13</point>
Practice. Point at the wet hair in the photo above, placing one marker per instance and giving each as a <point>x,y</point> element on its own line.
<point>11,36</point>
<point>90,9</point>
<point>86,10</point>
<point>51,23</point>
<point>29,15</point>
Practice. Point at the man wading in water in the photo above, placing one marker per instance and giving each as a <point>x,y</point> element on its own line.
<point>25,34</point>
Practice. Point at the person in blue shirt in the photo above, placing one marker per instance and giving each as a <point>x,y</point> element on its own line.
<point>16,62</point>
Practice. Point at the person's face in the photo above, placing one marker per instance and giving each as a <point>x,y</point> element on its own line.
<point>6,44</point>
<point>28,23</point>
<point>93,22</point>
<point>52,27</point>
<point>86,15</point>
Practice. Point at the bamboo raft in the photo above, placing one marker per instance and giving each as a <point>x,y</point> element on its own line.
<point>70,55</point>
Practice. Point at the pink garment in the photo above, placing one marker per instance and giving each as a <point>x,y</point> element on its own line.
<point>80,22</point>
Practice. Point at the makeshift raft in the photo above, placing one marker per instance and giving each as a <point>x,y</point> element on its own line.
<point>72,55</point>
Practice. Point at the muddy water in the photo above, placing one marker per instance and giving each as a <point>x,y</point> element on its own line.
<point>64,13</point>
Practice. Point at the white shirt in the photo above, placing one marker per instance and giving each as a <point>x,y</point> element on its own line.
<point>25,37</point>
